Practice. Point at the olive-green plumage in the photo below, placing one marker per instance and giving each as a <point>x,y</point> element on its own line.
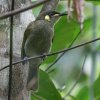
<point>37,40</point>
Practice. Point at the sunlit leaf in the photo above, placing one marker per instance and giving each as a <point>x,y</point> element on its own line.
<point>97,89</point>
<point>93,0</point>
<point>96,2</point>
<point>47,89</point>
<point>83,94</point>
<point>65,33</point>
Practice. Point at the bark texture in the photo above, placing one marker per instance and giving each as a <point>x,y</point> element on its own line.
<point>19,75</point>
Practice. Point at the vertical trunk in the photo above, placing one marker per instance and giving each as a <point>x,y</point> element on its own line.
<point>19,72</point>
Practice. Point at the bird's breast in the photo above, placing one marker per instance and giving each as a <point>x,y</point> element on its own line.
<point>40,39</point>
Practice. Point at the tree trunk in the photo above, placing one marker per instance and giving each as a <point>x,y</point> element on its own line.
<point>19,72</point>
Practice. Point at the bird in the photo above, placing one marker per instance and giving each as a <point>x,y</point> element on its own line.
<point>37,40</point>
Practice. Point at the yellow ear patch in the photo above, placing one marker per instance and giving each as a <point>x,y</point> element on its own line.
<point>47,17</point>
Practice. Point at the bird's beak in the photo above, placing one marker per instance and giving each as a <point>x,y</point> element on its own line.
<point>63,14</point>
<point>60,14</point>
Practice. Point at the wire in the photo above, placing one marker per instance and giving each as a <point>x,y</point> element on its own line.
<point>14,12</point>
<point>54,53</point>
<point>63,53</point>
<point>11,53</point>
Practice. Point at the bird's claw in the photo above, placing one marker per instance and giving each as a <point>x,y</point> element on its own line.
<point>44,56</point>
<point>25,60</point>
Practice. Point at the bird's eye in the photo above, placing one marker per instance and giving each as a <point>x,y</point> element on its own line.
<point>47,17</point>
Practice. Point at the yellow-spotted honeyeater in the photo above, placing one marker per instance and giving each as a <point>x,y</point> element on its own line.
<point>37,41</point>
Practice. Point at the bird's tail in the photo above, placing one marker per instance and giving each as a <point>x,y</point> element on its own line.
<point>32,81</point>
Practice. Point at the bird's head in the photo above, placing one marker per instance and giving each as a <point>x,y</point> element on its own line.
<point>50,16</point>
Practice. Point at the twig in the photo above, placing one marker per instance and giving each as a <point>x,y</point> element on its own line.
<point>38,97</point>
<point>14,12</point>
<point>77,80</point>
<point>72,97</point>
<point>63,53</point>
<point>51,5</point>
<point>11,52</point>
<point>50,54</point>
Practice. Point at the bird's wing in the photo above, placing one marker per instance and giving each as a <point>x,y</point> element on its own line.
<point>26,34</point>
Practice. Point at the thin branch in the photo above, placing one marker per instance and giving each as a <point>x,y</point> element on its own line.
<point>63,52</point>
<point>37,96</point>
<point>11,52</point>
<point>14,12</point>
<point>50,54</point>
<point>77,80</point>
<point>72,97</point>
<point>51,5</point>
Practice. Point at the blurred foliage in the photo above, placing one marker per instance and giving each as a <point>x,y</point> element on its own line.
<point>65,32</point>
<point>96,2</point>
<point>46,88</point>
<point>83,94</point>
<point>97,89</point>
<point>55,85</point>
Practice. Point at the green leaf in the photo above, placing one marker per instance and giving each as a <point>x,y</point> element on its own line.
<point>36,10</point>
<point>47,89</point>
<point>96,87</point>
<point>64,33</point>
<point>83,94</point>
<point>93,0</point>
<point>36,97</point>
